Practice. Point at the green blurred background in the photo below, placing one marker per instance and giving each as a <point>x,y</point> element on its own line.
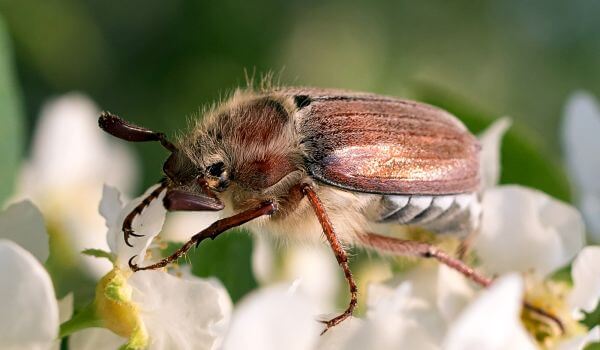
<point>157,62</point>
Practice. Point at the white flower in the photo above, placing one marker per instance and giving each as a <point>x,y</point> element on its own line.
<point>526,230</point>
<point>153,308</point>
<point>492,320</point>
<point>26,291</point>
<point>29,317</point>
<point>23,224</point>
<point>403,317</point>
<point>70,160</point>
<point>515,216</point>
<point>586,280</point>
<point>581,127</point>
<point>277,317</point>
<point>312,264</point>
<point>491,139</point>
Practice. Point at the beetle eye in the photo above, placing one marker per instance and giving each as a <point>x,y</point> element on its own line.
<point>216,169</point>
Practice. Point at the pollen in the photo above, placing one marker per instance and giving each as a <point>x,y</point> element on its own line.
<point>548,319</point>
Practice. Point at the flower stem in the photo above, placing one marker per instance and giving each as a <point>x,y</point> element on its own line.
<point>86,318</point>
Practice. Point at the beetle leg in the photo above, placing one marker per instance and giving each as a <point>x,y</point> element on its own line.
<point>128,222</point>
<point>338,250</point>
<point>403,247</point>
<point>212,231</point>
<point>413,248</point>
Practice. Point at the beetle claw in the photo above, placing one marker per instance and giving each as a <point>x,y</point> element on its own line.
<point>133,266</point>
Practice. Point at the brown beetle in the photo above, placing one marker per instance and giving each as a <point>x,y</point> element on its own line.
<point>299,162</point>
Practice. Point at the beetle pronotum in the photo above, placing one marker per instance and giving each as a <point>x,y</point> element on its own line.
<point>299,162</point>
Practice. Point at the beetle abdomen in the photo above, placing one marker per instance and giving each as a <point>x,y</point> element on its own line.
<point>456,214</point>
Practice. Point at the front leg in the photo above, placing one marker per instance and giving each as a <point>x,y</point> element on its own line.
<point>338,250</point>
<point>212,231</point>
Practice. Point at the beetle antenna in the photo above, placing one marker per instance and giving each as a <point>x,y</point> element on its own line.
<point>127,131</point>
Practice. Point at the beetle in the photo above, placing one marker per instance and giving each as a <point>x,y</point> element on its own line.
<point>302,162</point>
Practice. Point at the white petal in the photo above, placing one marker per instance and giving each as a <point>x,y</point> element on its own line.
<point>589,203</point>
<point>110,205</point>
<point>65,308</point>
<point>581,143</point>
<point>453,293</point>
<point>390,333</point>
<point>23,224</point>
<point>315,266</point>
<point>396,319</point>
<point>29,317</point>
<point>95,339</point>
<point>180,313</point>
<point>492,320</point>
<point>271,319</point>
<point>586,280</point>
<point>338,337</point>
<point>526,230</point>
<point>491,140</point>
<point>580,136</point>
<point>65,312</point>
<point>263,259</point>
<point>70,160</point>
<point>409,301</point>
<point>580,342</point>
<point>181,226</point>
<point>311,263</point>
<point>148,224</point>
<point>69,149</point>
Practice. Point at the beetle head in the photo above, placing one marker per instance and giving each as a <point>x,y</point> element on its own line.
<point>188,188</point>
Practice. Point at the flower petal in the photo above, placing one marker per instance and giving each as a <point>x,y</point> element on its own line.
<point>110,205</point>
<point>390,333</point>
<point>581,127</point>
<point>586,280</point>
<point>29,317</point>
<point>492,320</point>
<point>148,224</point>
<point>311,263</point>
<point>491,140</point>
<point>23,224</point>
<point>70,160</point>
<point>273,318</point>
<point>589,203</point>
<point>526,230</point>
<point>580,342</point>
<point>70,150</point>
<point>580,136</point>
<point>95,339</point>
<point>65,308</point>
<point>181,226</point>
<point>397,318</point>
<point>180,313</point>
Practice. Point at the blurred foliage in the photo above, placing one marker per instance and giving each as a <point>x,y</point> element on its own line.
<point>524,158</point>
<point>10,118</point>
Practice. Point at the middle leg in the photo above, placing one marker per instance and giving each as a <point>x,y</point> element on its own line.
<point>338,250</point>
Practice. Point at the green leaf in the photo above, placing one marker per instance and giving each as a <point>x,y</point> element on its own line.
<point>592,319</point>
<point>593,346</point>
<point>228,258</point>
<point>99,253</point>
<point>525,160</point>
<point>11,138</point>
